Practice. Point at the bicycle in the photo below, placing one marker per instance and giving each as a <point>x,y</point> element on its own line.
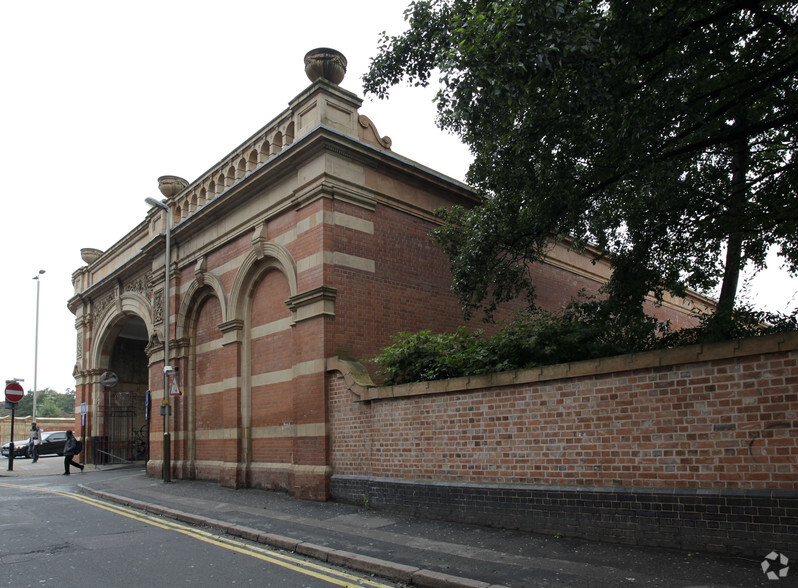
<point>140,442</point>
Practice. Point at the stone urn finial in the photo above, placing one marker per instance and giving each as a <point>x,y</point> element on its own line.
<point>171,185</point>
<point>89,255</point>
<point>325,63</point>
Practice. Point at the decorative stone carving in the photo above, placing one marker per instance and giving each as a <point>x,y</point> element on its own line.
<point>155,344</point>
<point>200,269</point>
<point>370,134</point>
<point>325,63</point>
<point>259,240</point>
<point>141,285</point>
<point>104,304</point>
<point>157,307</point>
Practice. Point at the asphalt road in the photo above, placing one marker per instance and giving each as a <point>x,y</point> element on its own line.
<point>493,556</point>
<point>52,536</point>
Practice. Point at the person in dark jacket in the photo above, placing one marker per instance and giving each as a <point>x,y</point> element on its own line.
<point>71,449</point>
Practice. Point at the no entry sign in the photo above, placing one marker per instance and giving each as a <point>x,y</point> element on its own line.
<point>14,392</point>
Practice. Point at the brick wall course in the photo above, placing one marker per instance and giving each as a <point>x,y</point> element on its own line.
<point>683,428</point>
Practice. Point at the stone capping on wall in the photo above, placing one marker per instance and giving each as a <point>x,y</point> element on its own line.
<point>361,385</point>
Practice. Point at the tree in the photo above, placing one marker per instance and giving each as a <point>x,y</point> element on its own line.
<point>49,404</point>
<point>663,133</point>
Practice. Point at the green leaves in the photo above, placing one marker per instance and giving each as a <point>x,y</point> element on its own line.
<point>48,404</point>
<point>587,328</point>
<point>618,124</point>
<point>427,356</point>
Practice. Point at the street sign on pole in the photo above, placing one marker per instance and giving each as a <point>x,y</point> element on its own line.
<point>14,392</point>
<point>109,379</point>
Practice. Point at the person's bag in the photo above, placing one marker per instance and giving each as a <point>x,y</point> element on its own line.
<point>78,446</point>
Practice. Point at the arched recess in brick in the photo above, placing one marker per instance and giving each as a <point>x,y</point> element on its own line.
<point>266,279</point>
<point>271,398</point>
<point>197,327</point>
<point>204,280</point>
<point>211,425</point>
<point>264,254</point>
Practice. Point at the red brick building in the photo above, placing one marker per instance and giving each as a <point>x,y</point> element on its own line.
<point>308,241</point>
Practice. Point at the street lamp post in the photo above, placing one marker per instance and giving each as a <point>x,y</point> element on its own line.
<point>36,348</point>
<point>167,462</point>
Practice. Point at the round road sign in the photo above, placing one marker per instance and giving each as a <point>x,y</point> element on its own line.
<point>109,379</point>
<point>14,392</point>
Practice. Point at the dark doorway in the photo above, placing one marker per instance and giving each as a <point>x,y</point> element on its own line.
<point>124,420</point>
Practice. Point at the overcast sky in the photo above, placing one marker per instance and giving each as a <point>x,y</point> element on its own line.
<point>101,98</point>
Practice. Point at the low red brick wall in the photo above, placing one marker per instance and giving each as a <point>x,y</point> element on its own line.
<point>717,421</point>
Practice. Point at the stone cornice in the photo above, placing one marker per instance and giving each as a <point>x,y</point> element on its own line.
<point>332,188</point>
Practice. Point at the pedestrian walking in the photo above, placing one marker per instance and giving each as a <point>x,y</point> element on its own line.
<point>71,449</point>
<point>34,440</point>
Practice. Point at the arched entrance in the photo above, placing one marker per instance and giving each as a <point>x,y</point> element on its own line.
<point>121,432</point>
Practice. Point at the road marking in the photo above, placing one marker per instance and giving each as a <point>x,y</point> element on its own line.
<point>282,559</point>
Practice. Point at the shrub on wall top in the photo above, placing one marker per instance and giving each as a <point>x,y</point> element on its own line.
<point>586,328</point>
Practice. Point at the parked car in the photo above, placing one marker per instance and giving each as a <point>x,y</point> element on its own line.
<point>20,449</point>
<point>52,444</point>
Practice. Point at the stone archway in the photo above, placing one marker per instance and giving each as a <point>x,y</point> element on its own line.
<point>120,430</point>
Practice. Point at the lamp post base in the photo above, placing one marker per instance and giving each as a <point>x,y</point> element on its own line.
<point>167,458</point>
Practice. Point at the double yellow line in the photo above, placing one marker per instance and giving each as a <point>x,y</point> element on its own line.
<point>282,559</point>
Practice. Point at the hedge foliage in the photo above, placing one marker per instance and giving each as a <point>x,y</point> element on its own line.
<point>585,329</point>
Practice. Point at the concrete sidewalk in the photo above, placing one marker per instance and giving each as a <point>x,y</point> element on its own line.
<point>414,551</point>
<point>47,465</point>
